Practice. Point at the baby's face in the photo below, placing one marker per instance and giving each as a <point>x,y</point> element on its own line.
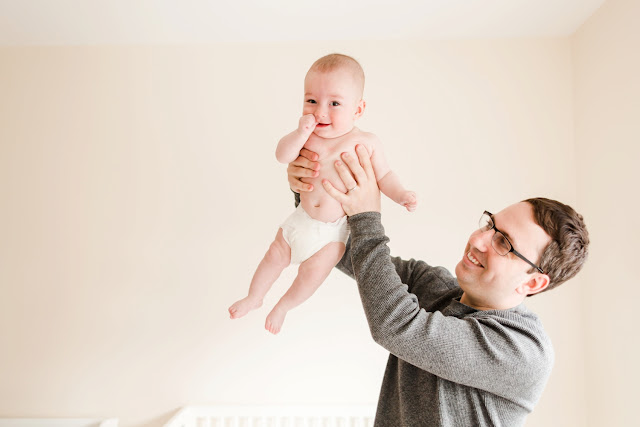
<point>334,99</point>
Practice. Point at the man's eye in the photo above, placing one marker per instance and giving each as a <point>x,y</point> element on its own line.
<point>502,243</point>
<point>311,101</point>
<point>335,104</point>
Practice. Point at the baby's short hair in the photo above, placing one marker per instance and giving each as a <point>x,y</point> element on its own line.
<point>337,61</point>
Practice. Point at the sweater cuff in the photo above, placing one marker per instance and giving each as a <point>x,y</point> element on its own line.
<point>366,223</point>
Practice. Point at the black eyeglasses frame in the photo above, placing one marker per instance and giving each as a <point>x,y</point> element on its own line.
<point>516,253</point>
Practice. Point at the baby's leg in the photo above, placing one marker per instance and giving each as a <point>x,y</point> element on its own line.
<point>277,258</point>
<point>311,274</point>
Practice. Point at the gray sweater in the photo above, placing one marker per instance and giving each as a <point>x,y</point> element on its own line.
<point>450,364</point>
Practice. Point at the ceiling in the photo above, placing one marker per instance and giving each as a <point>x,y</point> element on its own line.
<point>91,22</point>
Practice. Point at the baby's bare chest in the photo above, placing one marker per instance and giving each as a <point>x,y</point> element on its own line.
<point>329,150</point>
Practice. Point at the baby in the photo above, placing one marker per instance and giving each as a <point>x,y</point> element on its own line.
<point>315,235</point>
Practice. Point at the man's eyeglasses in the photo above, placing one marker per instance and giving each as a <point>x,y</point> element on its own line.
<point>499,242</point>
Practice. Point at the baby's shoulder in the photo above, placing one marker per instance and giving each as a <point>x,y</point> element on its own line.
<point>361,137</point>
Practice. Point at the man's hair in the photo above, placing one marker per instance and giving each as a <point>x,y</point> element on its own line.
<point>564,257</point>
<point>337,61</point>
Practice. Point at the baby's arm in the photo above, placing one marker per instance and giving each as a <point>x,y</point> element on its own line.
<point>389,181</point>
<point>290,145</point>
<point>391,187</point>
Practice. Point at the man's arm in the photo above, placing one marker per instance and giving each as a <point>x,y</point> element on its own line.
<point>409,271</point>
<point>503,352</point>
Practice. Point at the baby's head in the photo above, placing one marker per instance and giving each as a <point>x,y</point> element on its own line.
<point>349,68</point>
<point>333,94</point>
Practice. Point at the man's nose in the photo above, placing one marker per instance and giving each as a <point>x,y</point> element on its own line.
<point>481,240</point>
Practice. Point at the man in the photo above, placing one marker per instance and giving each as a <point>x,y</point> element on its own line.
<point>465,351</point>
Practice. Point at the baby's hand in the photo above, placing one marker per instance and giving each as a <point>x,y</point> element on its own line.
<point>409,200</point>
<point>307,124</point>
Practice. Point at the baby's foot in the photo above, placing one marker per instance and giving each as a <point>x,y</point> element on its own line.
<point>243,306</point>
<point>275,320</point>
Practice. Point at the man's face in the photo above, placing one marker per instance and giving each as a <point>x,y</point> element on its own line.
<point>492,281</point>
<point>333,98</point>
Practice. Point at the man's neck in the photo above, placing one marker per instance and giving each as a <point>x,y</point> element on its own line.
<point>484,305</point>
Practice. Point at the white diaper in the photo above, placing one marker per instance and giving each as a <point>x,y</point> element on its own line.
<point>306,235</point>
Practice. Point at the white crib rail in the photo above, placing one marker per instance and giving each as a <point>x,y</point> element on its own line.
<point>274,416</point>
<point>58,422</point>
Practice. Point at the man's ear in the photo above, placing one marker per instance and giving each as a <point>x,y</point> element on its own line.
<point>537,283</point>
<point>360,109</point>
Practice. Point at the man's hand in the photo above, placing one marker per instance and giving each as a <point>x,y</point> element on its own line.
<point>305,166</point>
<point>363,194</point>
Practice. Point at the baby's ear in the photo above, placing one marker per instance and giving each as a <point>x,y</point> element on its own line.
<point>360,109</point>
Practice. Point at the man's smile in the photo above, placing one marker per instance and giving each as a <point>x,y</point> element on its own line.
<point>473,260</point>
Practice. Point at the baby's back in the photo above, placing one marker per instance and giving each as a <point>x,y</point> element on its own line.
<point>318,203</point>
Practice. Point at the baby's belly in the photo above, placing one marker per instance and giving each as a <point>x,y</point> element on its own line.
<point>319,204</point>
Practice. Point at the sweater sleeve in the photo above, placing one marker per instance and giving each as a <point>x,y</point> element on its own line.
<point>422,278</point>
<point>499,351</point>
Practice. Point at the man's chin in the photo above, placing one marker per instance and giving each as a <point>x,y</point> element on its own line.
<point>463,273</point>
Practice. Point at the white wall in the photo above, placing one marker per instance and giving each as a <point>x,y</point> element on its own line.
<point>607,127</point>
<point>139,190</point>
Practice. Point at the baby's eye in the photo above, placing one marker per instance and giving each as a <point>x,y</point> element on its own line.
<point>335,103</point>
<point>311,101</point>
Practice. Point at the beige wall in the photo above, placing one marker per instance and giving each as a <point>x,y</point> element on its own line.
<point>607,127</point>
<point>139,190</point>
